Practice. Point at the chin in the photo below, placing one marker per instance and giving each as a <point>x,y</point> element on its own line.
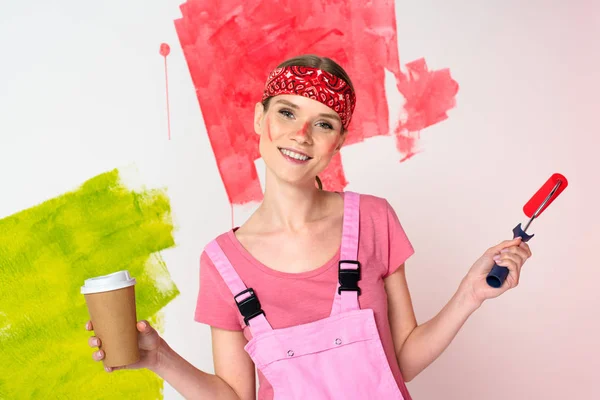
<point>290,178</point>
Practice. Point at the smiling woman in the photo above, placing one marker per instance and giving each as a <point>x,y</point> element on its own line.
<point>311,121</point>
<point>311,289</point>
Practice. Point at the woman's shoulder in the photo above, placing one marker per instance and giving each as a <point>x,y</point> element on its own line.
<point>223,239</point>
<point>371,203</point>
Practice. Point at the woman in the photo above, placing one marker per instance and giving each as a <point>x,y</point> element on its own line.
<point>311,290</point>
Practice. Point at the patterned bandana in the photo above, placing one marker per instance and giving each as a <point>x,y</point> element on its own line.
<point>316,84</point>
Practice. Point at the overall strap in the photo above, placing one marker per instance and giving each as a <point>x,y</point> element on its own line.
<point>246,300</point>
<point>347,290</point>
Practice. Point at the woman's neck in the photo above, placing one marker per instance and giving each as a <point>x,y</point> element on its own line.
<point>291,207</point>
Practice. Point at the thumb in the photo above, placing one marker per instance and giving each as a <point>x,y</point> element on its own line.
<point>149,337</point>
<point>145,328</point>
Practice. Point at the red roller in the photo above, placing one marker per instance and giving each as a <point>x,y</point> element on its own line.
<point>533,208</point>
<point>551,189</point>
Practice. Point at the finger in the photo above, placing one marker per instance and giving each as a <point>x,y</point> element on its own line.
<point>516,250</point>
<point>515,258</point>
<point>525,247</point>
<point>522,249</point>
<point>93,341</point>
<point>512,280</point>
<point>505,243</point>
<point>111,369</point>
<point>98,355</point>
<point>89,326</point>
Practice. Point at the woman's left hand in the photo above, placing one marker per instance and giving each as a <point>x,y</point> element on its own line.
<point>511,254</point>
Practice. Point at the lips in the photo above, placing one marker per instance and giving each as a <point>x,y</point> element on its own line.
<point>295,154</point>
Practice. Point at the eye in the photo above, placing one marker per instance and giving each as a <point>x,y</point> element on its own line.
<point>286,113</point>
<point>325,125</point>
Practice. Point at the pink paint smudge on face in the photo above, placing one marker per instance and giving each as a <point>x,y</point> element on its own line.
<point>332,147</point>
<point>231,46</point>
<point>303,132</point>
<point>268,127</point>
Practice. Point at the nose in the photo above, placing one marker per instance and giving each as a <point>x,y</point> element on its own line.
<point>303,135</point>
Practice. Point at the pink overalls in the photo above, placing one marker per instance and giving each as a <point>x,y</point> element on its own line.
<point>339,357</point>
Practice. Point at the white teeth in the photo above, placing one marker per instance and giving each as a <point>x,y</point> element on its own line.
<point>294,155</point>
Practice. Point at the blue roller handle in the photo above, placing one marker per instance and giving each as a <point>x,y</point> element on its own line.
<point>498,274</point>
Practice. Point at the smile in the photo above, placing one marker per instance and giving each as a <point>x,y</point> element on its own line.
<point>294,155</point>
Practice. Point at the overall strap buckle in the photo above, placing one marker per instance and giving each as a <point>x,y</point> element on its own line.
<point>249,307</point>
<point>348,278</point>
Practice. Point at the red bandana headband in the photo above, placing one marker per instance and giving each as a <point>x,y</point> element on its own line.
<point>316,84</point>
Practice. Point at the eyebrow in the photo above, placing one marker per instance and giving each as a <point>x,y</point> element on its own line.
<point>294,106</point>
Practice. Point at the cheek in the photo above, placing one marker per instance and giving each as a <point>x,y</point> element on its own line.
<point>273,129</point>
<point>268,123</point>
<point>333,146</point>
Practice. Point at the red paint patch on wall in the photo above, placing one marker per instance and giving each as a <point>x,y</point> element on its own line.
<point>231,46</point>
<point>428,96</point>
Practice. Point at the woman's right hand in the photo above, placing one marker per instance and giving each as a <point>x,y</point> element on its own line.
<point>149,342</point>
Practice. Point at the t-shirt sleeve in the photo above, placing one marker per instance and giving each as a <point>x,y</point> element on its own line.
<point>215,305</point>
<point>400,248</point>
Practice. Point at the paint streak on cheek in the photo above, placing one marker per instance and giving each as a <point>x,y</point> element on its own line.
<point>268,127</point>
<point>46,253</point>
<point>333,146</point>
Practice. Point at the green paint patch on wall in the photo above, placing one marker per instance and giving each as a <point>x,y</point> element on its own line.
<point>46,253</point>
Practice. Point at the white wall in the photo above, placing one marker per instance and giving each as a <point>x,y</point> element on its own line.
<point>82,92</point>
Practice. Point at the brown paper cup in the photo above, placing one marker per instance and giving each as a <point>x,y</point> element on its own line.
<point>114,317</point>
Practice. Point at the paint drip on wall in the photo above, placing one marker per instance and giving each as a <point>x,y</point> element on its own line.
<point>46,253</point>
<point>241,42</point>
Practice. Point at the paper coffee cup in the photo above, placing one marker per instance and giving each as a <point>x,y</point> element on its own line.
<point>111,303</point>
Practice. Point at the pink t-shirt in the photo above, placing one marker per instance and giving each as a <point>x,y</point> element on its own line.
<point>290,299</point>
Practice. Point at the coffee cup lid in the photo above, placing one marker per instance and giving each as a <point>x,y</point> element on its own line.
<point>105,283</point>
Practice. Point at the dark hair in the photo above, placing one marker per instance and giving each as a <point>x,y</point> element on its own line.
<point>313,61</point>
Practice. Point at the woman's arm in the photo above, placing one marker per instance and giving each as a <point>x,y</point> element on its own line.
<point>232,363</point>
<point>234,377</point>
<point>417,346</point>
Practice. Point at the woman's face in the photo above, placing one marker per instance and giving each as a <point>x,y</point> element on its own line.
<point>298,137</point>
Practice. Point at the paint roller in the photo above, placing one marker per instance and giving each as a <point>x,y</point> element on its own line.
<point>533,208</point>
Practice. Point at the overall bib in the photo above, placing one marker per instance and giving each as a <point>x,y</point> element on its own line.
<point>338,357</point>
